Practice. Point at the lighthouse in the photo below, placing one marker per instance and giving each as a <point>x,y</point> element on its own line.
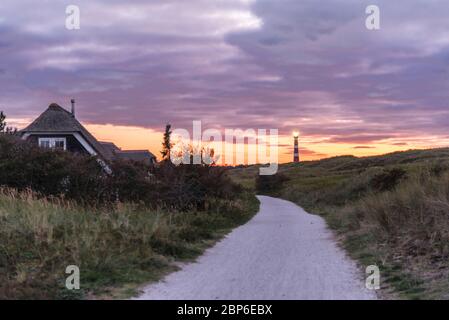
<point>296,148</point>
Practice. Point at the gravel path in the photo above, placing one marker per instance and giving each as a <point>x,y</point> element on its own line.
<point>282,253</point>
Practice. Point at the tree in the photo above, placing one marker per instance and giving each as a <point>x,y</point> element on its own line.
<point>166,144</point>
<point>4,128</point>
<point>2,121</point>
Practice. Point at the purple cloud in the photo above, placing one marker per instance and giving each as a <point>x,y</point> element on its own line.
<point>235,63</point>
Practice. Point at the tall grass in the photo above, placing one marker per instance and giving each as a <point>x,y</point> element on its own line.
<point>390,210</point>
<point>126,244</point>
<point>404,228</point>
<point>414,216</point>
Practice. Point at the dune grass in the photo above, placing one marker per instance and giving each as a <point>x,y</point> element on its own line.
<point>116,249</point>
<point>391,210</point>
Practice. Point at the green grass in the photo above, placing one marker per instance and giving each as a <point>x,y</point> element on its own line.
<point>116,250</point>
<point>390,210</point>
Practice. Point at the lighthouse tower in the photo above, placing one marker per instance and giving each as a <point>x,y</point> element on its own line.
<point>296,149</point>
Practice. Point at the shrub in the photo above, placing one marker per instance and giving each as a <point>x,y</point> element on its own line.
<point>388,179</point>
<point>271,183</point>
<point>50,173</point>
<point>81,178</point>
<point>191,186</point>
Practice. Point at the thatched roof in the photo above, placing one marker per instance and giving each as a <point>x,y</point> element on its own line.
<point>58,120</point>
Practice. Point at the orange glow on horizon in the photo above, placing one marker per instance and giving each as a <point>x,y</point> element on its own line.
<point>310,148</point>
<point>127,137</point>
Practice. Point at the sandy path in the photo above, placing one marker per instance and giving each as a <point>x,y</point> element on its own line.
<point>282,253</point>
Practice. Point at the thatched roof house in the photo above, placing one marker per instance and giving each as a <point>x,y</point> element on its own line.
<point>59,129</point>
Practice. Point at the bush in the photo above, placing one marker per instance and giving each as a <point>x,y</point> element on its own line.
<point>388,179</point>
<point>270,184</point>
<point>81,178</point>
<point>191,186</point>
<point>50,173</point>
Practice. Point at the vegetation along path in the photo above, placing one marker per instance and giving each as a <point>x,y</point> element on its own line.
<point>282,253</point>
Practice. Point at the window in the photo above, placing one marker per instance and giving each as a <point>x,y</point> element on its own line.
<point>53,143</point>
<point>44,143</point>
<point>60,144</point>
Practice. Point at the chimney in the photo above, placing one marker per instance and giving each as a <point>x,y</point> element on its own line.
<point>73,107</point>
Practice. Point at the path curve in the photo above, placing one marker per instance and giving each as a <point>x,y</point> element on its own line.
<point>283,253</point>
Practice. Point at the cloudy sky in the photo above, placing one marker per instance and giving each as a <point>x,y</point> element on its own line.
<point>302,65</point>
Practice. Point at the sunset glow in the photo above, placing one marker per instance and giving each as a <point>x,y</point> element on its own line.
<point>238,64</point>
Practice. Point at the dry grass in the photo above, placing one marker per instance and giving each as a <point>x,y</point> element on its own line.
<point>390,210</point>
<point>121,247</point>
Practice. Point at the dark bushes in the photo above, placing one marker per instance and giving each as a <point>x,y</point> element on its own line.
<point>50,173</point>
<point>387,180</point>
<point>181,187</point>
<point>270,184</point>
<point>82,179</point>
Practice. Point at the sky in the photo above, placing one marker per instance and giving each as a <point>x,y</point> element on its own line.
<point>305,65</point>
